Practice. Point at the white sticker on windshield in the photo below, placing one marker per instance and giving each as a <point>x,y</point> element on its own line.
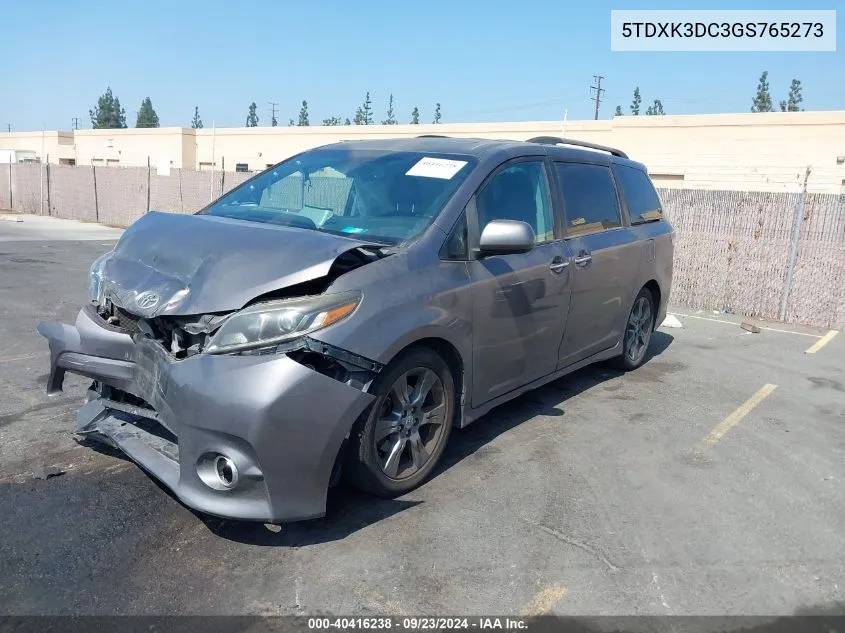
<point>436,168</point>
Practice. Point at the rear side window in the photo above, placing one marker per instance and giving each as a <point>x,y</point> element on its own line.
<point>589,197</point>
<point>643,201</point>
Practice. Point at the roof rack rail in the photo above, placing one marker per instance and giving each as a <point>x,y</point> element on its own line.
<point>555,140</point>
<point>432,136</point>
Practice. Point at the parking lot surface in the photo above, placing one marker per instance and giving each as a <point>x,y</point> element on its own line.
<point>709,481</point>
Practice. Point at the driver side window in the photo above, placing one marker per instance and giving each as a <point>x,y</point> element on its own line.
<point>318,196</point>
<point>284,194</point>
<point>518,192</point>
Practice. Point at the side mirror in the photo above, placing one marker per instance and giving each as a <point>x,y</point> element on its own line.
<point>506,237</point>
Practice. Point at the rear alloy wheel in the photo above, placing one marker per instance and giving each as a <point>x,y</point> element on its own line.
<point>402,436</point>
<point>638,332</point>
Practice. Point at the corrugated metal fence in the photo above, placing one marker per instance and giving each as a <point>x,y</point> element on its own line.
<point>733,249</point>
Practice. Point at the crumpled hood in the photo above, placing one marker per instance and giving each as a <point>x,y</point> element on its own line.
<point>173,264</point>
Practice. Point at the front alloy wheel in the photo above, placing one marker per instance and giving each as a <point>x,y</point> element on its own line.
<point>410,423</point>
<point>399,441</point>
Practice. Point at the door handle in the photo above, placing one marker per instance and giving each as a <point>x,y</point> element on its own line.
<point>583,259</point>
<point>558,264</point>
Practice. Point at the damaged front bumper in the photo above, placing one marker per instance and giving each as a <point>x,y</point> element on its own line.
<point>279,422</point>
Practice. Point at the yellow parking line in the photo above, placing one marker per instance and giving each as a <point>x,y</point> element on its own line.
<point>822,342</point>
<point>734,418</point>
<point>543,602</point>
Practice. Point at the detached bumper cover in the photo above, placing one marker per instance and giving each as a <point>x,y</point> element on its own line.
<point>279,421</point>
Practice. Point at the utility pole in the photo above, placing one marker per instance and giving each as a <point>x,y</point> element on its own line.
<point>8,127</point>
<point>599,91</point>
<point>75,122</point>
<point>273,105</point>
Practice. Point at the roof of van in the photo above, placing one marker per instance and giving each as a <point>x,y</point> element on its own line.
<point>483,147</point>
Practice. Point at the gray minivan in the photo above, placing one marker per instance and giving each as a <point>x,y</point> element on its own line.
<point>336,315</point>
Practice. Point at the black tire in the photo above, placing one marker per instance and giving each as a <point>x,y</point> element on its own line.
<point>637,334</point>
<point>367,460</point>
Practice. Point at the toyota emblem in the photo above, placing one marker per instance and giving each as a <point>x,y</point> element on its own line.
<point>147,300</point>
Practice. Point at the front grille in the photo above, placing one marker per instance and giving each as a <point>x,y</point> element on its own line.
<point>126,320</point>
<point>171,332</point>
<point>119,318</point>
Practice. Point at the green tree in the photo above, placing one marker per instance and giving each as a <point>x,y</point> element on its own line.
<point>332,120</point>
<point>364,113</point>
<point>252,116</point>
<point>635,104</point>
<point>415,116</point>
<point>303,114</point>
<point>347,121</point>
<point>436,113</point>
<point>147,116</point>
<point>618,111</point>
<point>291,123</point>
<point>762,101</point>
<point>655,109</point>
<point>196,122</point>
<point>108,114</point>
<point>793,100</point>
<point>391,116</point>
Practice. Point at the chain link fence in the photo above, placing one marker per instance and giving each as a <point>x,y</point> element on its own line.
<point>768,255</point>
<point>760,254</point>
<point>110,195</point>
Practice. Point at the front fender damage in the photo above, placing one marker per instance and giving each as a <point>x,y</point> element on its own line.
<point>334,362</point>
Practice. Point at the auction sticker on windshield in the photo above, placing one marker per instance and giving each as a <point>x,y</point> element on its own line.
<point>428,167</point>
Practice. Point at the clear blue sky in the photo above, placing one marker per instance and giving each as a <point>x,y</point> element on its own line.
<point>484,60</point>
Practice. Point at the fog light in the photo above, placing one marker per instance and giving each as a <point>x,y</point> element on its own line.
<point>227,472</point>
<point>217,471</point>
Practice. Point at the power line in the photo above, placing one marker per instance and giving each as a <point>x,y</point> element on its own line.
<point>273,105</point>
<point>599,91</point>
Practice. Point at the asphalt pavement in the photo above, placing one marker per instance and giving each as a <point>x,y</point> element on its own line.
<point>709,481</point>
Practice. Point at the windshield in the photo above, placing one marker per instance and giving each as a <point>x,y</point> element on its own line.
<point>386,196</point>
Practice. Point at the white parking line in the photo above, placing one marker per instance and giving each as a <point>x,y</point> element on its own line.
<point>770,329</point>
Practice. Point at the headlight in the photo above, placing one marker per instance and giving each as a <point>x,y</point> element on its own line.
<point>267,324</point>
<point>95,278</point>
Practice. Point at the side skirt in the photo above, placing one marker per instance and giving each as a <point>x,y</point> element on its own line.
<point>470,414</point>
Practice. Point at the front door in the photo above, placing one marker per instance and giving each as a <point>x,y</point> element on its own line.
<point>520,301</point>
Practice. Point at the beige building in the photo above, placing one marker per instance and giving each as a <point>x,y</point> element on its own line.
<point>760,152</point>
<point>57,147</point>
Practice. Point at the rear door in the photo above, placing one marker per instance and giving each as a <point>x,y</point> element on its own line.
<point>605,259</point>
<point>520,301</point>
